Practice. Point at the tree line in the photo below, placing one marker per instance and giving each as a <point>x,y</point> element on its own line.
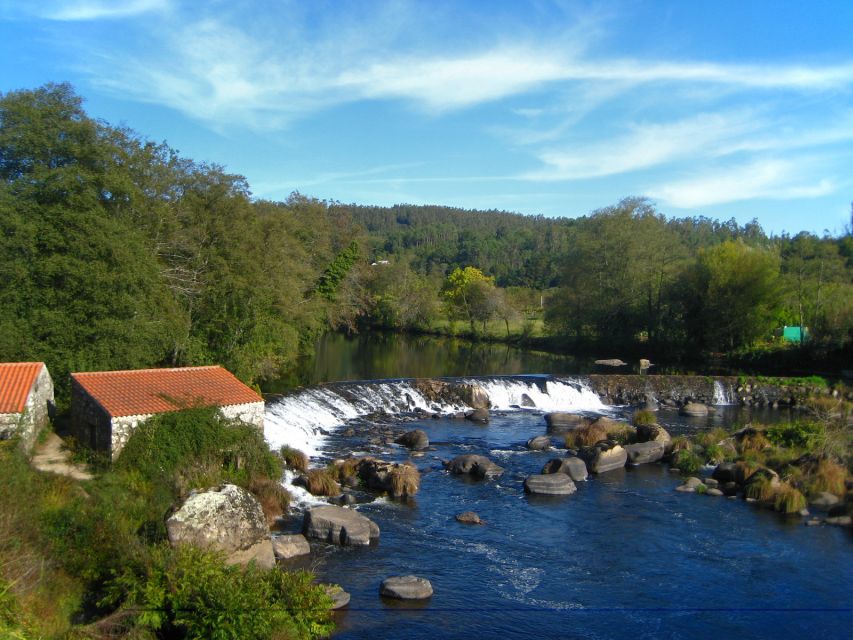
<point>118,252</point>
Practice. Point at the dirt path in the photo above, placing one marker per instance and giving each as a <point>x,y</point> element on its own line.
<point>50,456</point>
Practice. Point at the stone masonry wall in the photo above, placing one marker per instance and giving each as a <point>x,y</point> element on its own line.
<point>36,415</point>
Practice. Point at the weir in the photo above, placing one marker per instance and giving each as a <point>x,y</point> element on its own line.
<point>301,419</point>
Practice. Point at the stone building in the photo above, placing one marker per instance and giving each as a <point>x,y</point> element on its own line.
<point>26,400</point>
<point>106,406</point>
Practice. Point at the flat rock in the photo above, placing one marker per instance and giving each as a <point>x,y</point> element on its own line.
<point>644,452</point>
<point>475,466</point>
<point>406,588</point>
<point>839,521</point>
<point>261,554</point>
<point>572,466</point>
<point>339,526</point>
<point>824,500</point>
<point>469,517</point>
<point>554,484</point>
<point>713,491</point>
<point>539,443</point>
<point>562,422</point>
<point>290,546</point>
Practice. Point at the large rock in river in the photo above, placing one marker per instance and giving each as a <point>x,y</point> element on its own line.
<point>539,443</point>
<point>603,457</point>
<point>654,433</point>
<point>694,409</point>
<point>415,440</point>
<point>474,465</point>
<point>644,452</point>
<point>561,422</point>
<point>227,519</point>
<point>339,526</point>
<point>469,394</point>
<point>290,546</point>
<point>406,588</point>
<point>553,484</point>
<point>572,466</point>
<point>478,415</point>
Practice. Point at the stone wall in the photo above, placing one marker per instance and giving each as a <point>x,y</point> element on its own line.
<point>120,430</point>
<point>251,413</point>
<point>677,390</point>
<point>90,423</point>
<point>38,410</point>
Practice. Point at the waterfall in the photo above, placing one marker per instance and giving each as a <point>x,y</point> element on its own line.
<point>303,419</point>
<point>722,394</point>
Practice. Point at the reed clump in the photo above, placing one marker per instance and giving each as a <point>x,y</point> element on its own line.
<point>294,458</point>
<point>753,441</point>
<point>643,417</point>
<point>320,482</point>
<point>827,476</point>
<point>274,498</point>
<point>586,436</point>
<point>788,499</point>
<point>405,480</point>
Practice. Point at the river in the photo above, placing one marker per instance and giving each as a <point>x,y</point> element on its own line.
<point>624,557</point>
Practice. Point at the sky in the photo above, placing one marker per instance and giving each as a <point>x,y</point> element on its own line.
<point>727,109</point>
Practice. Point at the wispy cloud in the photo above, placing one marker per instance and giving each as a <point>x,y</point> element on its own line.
<point>79,10</point>
<point>772,179</point>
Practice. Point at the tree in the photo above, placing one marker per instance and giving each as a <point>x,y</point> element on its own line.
<point>467,293</point>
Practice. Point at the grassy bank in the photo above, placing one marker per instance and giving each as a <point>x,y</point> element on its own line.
<point>91,560</point>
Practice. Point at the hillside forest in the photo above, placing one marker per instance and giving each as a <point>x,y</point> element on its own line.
<point>118,252</point>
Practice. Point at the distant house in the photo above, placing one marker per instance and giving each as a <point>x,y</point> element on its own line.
<point>106,406</point>
<point>26,400</point>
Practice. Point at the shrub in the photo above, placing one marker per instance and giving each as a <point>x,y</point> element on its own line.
<point>320,482</point>
<point>586,436</point>
<point>644,416</point>
<point>192,593</point>
<point>405,480</point>
<point>686,461</point>
<point>294,459</point>
<point>799,435</point>
<point>788,499</point>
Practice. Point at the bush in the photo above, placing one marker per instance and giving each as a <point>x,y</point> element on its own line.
<point>788,499</point>
<point>644,416</point>
<point>686,461</point>
<point>294,458</point>
<point>192,593</point>
<point>799,435</point>
<point>711,438</point>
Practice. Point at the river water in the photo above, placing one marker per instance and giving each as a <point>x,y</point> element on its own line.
<point>624,557</point>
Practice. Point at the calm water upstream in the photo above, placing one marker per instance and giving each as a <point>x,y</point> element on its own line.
<point>624,557</point>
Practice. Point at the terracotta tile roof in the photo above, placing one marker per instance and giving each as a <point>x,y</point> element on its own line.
<point>144,391</point>
<point>16,380</point>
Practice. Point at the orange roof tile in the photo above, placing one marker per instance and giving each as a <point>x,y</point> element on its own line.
<point>16,380</point>
<point>145,391</point>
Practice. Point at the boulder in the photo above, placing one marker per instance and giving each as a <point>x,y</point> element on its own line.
<point>469,517</point>
<point>572,466</point>
<point>713,491</point>
<point>478,415</point>
<point>654,433</point>
<point>290,546</point>
<point>442,392</point>
<point>406,588</point>
<point>339,526</point>
<point>340,598</point>
<point>539,443</point>
<point>603,457</point>
<point>416,440</point>
<point>561,422</point>
<point>227,519</point>
<point>694,409</point>
<point>725,472</point>
<point>729,488</point>
<point>474,465</point>
<point>824,501</point>
<point>644,452</point>
<point>398,480</point>
<point>262,554</point>
<point>554,484</point>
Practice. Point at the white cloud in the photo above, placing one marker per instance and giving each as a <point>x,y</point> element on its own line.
<point>78,10</point>
<point>772,179</point>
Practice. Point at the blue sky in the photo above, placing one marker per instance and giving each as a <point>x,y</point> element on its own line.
<point>721,108</point>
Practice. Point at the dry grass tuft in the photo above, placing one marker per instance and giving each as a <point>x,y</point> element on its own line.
<point>346,468</point>
<point>586,436</point>
<point>828,476</point>
<point>405,480</point>
<point>753,441</point>
<point>294,458</point>
<point>274,498</point>
<point>320,482</point>
<point>788,499</point>
<point>715,436</point>
<point>763,489</point>
<point>644,416</point>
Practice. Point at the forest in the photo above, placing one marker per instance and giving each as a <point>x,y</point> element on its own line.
<point>118,252</point>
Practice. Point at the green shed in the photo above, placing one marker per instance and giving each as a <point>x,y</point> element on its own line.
<point>795,334</point>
